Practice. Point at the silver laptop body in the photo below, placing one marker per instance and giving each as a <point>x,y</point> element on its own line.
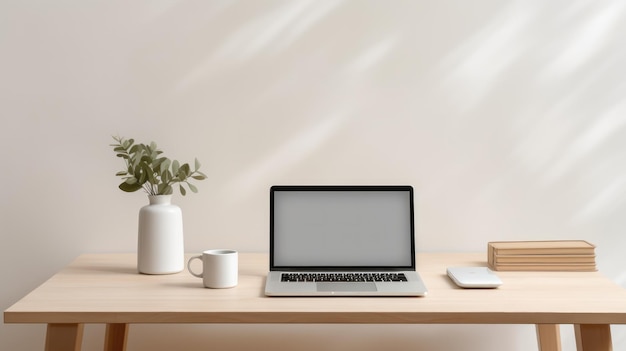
<point>342,241</point>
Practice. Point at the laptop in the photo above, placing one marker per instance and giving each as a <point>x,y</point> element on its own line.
<point>332,240</point>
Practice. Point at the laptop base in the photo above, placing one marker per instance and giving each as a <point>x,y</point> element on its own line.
<point>413,287</point>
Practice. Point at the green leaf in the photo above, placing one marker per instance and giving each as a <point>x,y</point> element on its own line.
<point>196,164</point>
<point>166,176</point>
<point>167,190</point>
<point>192,187</point>
<point>135,159</point>
<point>147,173</point>
<point>142,177</point>
<point>141,174</point>
<point>199,177</point>
<point>146,159</point>
<point>163,188</point>
<point>126,144</point>
<point>182,190</point>
<point>122,173</point>
<point>165,166</point>
<point>185,169</point>
<point>157,162</point>
<point>152,177</point>
<point>129,188</point>
<point>175,167</point>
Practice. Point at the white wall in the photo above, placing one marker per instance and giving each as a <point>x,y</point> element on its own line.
<point>508,118</point>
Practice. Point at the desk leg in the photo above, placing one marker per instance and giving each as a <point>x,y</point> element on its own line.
<point>549,337</point>
<point>115,338</point>
<point>64,337</point>
<point>593,337</point>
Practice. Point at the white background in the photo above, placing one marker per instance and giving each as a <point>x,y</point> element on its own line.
<point>508,118</point>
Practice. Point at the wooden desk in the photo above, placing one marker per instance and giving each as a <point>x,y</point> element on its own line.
<point>106,289</point>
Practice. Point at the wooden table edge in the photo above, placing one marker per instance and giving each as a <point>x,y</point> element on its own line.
<point>336,317</point>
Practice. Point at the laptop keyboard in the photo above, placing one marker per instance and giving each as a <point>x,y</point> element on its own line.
<point>343,277</point>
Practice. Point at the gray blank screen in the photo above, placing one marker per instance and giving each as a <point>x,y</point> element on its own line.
<point>342,228</point>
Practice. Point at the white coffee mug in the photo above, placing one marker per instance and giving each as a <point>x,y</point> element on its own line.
<point>219,268</point>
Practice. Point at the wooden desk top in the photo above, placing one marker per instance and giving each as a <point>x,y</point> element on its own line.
<point>105,288</point>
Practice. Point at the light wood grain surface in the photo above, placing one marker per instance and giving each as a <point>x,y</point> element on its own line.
<point>105,288</point>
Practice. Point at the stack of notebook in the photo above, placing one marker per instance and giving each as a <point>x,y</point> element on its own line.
<point>559,255</point>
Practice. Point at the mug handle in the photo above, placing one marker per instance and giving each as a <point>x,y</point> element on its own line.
<point>189,266</point>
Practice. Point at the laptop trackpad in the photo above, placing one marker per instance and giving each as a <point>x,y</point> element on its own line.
<point>349,286</point>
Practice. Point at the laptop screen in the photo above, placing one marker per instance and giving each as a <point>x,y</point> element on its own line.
<point>341,227</point>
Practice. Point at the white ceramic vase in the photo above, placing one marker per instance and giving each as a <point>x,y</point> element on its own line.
<point>160,248</point>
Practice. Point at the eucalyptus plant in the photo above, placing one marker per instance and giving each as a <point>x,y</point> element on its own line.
<point>147,169</point>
